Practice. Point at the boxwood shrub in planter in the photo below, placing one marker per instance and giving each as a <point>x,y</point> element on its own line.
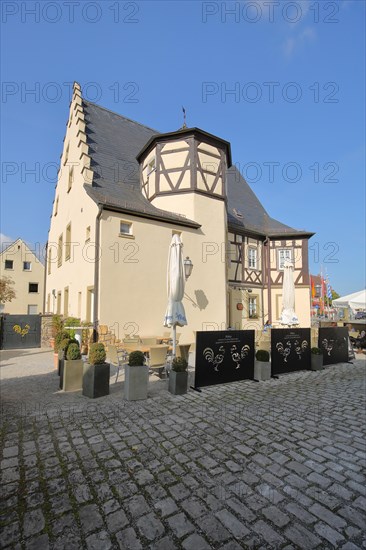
<point>178,376</point>
<point>96,372</point>
<point>136,377</point>
<point>62,348</point>
<point>316,359</point>
<point>73,368</point>
<point>262,365</point>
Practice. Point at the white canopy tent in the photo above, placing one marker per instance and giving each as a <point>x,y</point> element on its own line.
<point>354,301</point>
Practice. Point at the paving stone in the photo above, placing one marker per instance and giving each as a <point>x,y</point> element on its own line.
<point>300,512</point>
<point>96,541</point>
<point>90,518</point>
<point>166,506</point>
<point>353,516</point>
<point>232,524</point>
<point>326,532</point>
<point>350,546</point>
<point>270,493</point>
<point>38,543</point>
<point>180,525</point>
<point>179,491</point>
<point>195,542</point>
<point>301,537</point>
<point>33,523</point>
<point>127,539</point>
<point>360,502</point>
<point>213,529</point>
<point>328,516</point>
<point>9,533</point>
<point>166,543</point>
<point>319,479</point>
<point>276,516</point>
<point>299,468</point>
<point>150,527</point>
<point>116,521</point>
<point>269,535</point>
<point>194,507</point>
<point>137,506</point>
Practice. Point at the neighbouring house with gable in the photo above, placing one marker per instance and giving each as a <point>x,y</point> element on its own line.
<point>123,190</point>
<point>20,264</point>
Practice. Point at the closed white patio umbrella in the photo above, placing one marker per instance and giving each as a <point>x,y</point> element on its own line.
<point>175,314</point>
<point>288,315</point>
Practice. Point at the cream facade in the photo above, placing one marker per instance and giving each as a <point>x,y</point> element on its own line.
<point>21,265</point>
<point>123,191</point>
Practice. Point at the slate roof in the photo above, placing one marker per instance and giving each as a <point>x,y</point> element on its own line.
<point>114,142</point>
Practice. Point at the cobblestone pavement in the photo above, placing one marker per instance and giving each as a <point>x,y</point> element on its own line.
<point>277,464</point>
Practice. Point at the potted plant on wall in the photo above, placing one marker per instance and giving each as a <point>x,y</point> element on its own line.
<point>136,377</point>
<point>262,365</point>
<point>73,368</point>
<point>316,359</point>
<point>96,372</point>
<point>178,376</point>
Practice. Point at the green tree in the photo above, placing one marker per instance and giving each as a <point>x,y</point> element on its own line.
<point>335,295</point>
<point>7,293</point>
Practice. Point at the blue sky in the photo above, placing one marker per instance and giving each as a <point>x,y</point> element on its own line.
<point>282,81</point>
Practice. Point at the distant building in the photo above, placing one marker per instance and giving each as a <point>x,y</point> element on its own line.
<point>123,190</point>
<point>20,264</point>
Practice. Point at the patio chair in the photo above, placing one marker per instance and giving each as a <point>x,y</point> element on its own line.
<point>157,359</point>
<point>148,341</point>
<point>117,358</point>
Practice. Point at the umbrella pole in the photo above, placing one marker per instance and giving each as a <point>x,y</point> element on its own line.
<point>174,340</point>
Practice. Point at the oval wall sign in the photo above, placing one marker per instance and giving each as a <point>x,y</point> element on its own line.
<point>240,307</point>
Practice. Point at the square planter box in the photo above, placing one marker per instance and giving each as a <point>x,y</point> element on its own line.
<point>96,380</point>
<point>73,375</point>
<point>178,382</point>
<point>136,382</point>
<point>262,370</point>
<point>316,362</point>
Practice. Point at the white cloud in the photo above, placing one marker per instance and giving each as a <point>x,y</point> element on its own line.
<point>299,41</point>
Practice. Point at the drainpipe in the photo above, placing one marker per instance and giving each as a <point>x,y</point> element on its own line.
<point>45,279</point>
<point>96,274</point>
<point>268,256</point>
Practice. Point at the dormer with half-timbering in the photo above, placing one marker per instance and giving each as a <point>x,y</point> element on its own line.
<point>187,161</point>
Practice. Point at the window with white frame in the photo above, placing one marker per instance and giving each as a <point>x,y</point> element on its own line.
<point>252,307</point>
<point>27,266</point>
<point>9,264</point>
<point>125,228</point>
<point>284,254</point>
<point>252,258</point>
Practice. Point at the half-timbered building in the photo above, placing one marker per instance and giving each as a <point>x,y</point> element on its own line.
<point>123,190</point>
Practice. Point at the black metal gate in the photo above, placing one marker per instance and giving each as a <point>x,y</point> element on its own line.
<point>20,331</point>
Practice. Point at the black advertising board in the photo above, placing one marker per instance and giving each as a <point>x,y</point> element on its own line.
<point>224,356</point>
<point>333,341</point>
<point>290,350</point>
